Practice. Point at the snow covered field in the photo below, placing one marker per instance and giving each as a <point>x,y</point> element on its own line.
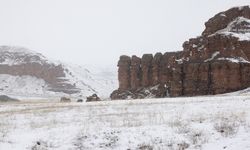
<point>209,123</point>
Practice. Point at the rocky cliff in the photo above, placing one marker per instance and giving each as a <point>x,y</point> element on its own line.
<point>213,63</point>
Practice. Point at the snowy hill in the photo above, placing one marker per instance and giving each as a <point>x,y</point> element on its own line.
<point>26,73</point>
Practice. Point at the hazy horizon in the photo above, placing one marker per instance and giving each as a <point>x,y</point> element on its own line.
<point>97,32</point>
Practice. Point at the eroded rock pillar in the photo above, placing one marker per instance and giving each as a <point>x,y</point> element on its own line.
<point>136,73</point>
<point>124,72</point>
<point>146,64</point>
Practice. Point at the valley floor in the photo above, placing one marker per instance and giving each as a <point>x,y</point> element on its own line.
<point>209,123</point>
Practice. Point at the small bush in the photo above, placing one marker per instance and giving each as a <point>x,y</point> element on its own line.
<point>227,128</point>
<point>229,124</point>
<point>183,146</point>
<point>197,138</point>
<point>40,145</point>
<point>4,131</point>
<point>180,126</point>
<point>145,147</point>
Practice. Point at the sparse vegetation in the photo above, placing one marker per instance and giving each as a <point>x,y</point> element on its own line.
<point>145,147</point>
<point>183,146</point>
<point>226,128</point>
<point>197,138</point>
<point>180,125</point>
<point>123,125</point>
<point>42,145</point>
<point>229,124</point>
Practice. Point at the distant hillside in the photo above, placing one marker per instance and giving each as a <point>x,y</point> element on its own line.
<point>27,73</point>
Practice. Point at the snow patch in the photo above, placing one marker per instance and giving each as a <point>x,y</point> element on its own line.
<point>201,48</point>
<point>194,45</point>
<point>180,61</point>
<point>213,56</point>
<point>243,35</point>
<point>241,7</point>
<point>223,15</point>
<point>235,60</point>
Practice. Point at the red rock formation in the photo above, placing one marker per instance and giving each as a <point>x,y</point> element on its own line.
<point>156,68</point>
<point>135,72</point>
<point>221,20</point>
<point>147,69</point>
<point>215,62</point>
<point>124,72</point>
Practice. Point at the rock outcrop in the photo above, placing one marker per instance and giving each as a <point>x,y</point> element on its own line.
<point>93,98</point>
<point>213,63</point>
<point>5,98</point>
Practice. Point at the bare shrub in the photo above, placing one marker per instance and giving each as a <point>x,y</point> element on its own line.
<point>174,144</point>
<point>182,146</point>
<point>145,146</point>
<point>200,118</point>
<point>197,138</point>
<point>4,130</point>
<point>106,140</point>
<point>110,140</point>
<point>40,145</point>
<point>170,144</point>
<point>3,134</point>
<point>227,128</point>
<point>179,125</point>
<point>79,142</point>
<point>229,124</point>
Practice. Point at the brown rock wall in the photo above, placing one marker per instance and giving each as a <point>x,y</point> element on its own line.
<point>124,72</point>
<point>135,72</point>
<point>213,63</point>
<point>147,70</point>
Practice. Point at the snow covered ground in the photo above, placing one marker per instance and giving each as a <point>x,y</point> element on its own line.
<point>209,123</point>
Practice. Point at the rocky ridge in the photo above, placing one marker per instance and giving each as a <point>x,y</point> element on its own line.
<point>27,73</point>
<point>213,63</point>
<point>18,61</point>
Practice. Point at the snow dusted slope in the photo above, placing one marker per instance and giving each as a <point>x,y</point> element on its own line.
<point>25,73</point>
<point>93,80</point>
<point>22,84</point>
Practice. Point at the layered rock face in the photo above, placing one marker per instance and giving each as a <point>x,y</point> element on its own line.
<point>26,73</point>
<point>17,61</point>
<point>213,63</point>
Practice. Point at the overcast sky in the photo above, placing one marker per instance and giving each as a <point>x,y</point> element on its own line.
<point>99,31</point>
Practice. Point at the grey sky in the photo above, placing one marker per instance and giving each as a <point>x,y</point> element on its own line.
<point>99,31</point>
